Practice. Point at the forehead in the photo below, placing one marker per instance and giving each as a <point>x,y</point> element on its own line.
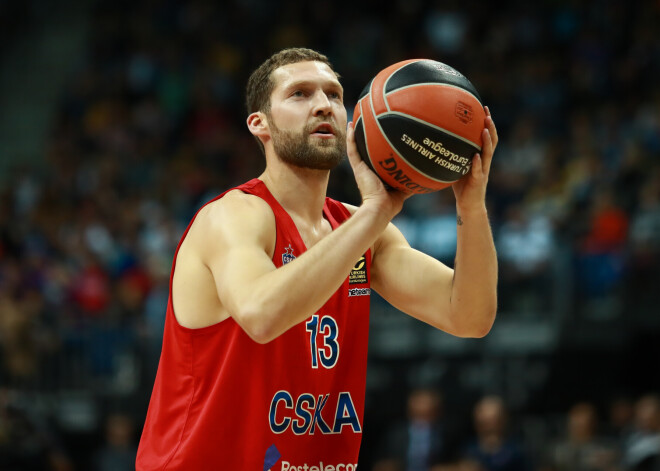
<point>304,72</point>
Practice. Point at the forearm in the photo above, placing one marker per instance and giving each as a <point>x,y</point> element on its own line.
<point>282,298</point>
<point>474,287</point>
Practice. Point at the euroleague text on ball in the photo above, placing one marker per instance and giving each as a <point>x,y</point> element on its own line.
<point>463,163</point>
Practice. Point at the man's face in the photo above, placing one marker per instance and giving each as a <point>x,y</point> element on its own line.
<point>307,118</point>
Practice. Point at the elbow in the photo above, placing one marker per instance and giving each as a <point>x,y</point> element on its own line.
<point>484,327</point>
<point>254,324</point>
<point>260,336</point>
<point>476,324</point>
<point>260,322</point>
<point>480,331</point>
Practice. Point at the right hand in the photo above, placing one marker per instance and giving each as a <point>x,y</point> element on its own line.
<point>371,187</point>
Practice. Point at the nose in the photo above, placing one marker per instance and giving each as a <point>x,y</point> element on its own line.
<point>322,105</point>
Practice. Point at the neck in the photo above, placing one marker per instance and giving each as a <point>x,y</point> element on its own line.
<point>300,191</point>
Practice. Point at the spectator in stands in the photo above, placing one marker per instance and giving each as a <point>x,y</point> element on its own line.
<point>427,437</point>
<point>620,416</point>
<point>493,448</point>
<point>525,244</point>
<point>642,448</point>
<point>27,441</point>
<point>120,446</point>
<point>582,448</point>
<point>601,264</point>
<point>644,247</point>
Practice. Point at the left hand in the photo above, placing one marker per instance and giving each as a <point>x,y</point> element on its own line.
<point>470,191</point>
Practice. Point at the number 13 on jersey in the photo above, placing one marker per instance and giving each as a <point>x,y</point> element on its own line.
<point>323,340</point>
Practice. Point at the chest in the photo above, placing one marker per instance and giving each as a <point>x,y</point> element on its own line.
<point>310,233</point>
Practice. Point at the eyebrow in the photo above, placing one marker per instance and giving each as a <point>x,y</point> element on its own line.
<point>306,82</point>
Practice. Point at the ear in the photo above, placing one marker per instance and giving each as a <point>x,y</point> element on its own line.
<point>258,125</point>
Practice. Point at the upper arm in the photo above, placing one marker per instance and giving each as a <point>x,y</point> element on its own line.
<point>239,241</point>
<point>412,281</point>
<point>229,244</point>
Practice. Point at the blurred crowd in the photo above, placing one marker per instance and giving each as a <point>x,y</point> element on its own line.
<point>151,125</point>
<point>625,436</point>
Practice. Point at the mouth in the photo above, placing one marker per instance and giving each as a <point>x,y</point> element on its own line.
<point>324,130</point>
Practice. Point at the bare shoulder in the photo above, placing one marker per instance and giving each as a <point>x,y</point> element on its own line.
<point>235,217</point>
<point>234,205</point>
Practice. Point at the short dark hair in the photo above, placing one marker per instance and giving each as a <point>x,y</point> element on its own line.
<point>260,84</point>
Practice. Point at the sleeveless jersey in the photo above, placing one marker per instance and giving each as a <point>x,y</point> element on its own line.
<point>224,402</point>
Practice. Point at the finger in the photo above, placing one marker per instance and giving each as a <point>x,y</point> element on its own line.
<point>490,124</point>
<point>351,147</point>
<point>487,150</point>
<point>477,166</point>
<point>492,130</point>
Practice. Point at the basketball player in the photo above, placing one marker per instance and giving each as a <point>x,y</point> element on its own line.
<point>264,353</point>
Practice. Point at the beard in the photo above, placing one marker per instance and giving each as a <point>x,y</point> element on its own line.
<point>301,150</point>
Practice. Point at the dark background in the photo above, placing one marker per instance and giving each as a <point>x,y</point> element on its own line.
<point>118,119</point>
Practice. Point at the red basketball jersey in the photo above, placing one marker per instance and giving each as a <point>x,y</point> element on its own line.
<point>224,402</point>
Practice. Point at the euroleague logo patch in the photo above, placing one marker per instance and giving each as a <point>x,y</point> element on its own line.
<point>358,272</point>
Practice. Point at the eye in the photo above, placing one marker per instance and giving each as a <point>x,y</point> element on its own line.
<point>298,93</point>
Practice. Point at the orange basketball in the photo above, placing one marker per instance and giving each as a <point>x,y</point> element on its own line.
<point>418,124</point>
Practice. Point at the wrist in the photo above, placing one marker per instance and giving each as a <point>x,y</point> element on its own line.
<point>380,212</point>
<point>471,211</point>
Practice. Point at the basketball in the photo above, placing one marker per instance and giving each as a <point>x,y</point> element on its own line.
<point>418,123</point>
